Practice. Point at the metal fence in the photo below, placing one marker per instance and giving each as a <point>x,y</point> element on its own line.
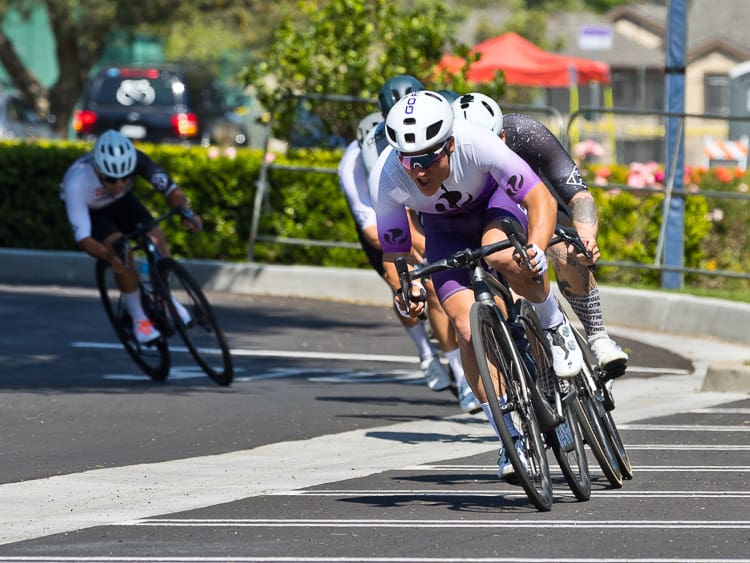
<point>624,135</point>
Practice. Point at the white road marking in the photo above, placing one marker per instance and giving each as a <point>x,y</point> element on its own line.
<point>721,410</point>
<point>509,493</point>
<point>448,523</point>
<point>683,427</point>
<point>362,559</point>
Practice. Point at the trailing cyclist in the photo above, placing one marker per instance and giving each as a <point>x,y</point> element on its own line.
<point>463,180</point>
<point>536,144</point>
<point>353,172</point>
<point>101,205</point>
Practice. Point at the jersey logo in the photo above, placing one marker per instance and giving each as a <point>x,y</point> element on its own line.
<point>453,200</point>
<point>395,236</point>
<point>515,184</point>
<point>159,181</point>
<point>575,178</point>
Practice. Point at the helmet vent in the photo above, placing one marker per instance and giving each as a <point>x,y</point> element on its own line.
<point>410,137</point>
<point>434,129</point>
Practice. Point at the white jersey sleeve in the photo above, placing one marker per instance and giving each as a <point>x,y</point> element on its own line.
<point>81,190</point>
<point>353,182</point>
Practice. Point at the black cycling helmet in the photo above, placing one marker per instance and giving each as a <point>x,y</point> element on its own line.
<point>396,88</point>
<point>450,95</point>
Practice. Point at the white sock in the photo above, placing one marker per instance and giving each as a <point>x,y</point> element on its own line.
<point>457,367</point>
<point>419,335</point>
<point>506,418</point>
<point>133,305</point>
<point>549,311</point>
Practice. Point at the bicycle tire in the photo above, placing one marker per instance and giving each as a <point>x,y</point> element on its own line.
<point>493,346</point>
<point>605,404</point>
<point>203,335</point>
<point>153,360</point>
<point>623,459</point>
<point>596,437</point>
<point>570,453</point>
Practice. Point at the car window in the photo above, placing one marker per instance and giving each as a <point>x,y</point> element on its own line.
<point>138,91</point>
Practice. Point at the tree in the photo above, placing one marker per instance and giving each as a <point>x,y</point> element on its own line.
<point>350,47</point>
<point>82,29</point>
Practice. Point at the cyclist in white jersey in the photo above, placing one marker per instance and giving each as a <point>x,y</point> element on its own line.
<point>101,206</point>
<point>536,144</point>
<point>352,174</point>
<point>463,180</point>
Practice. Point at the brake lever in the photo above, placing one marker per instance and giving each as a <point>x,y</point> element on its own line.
<point>570,236</point>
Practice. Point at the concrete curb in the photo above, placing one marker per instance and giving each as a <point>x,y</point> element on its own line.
<point>671,313</point>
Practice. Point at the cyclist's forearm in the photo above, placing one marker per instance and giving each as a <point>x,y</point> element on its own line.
<point>177,198</point>
<point>542,209</point>
<point>585,216</point>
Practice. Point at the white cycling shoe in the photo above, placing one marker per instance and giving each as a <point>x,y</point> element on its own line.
<point>145,332</point>
<point>436,376</point>
<point>567,358</point>
<point>467,400</point>
<point>610,357</point>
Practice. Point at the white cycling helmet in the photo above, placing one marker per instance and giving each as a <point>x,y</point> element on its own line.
<point>419,121</point>
<point>367,124</point>
<point>114,154</point>
<point>479,108</point>
<point>372,145</point>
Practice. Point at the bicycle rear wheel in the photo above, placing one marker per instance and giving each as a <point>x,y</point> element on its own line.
<point>588,412</point>
<point>202,334</point>
<point>152,359</point>
<point>565,438</point>
<point>623,459</point>
<point>496,353</point>
<point>605,404</point>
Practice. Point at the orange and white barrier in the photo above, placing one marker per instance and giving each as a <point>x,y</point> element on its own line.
<point>722,152</point>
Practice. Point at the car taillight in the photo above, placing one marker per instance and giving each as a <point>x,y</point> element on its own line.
<point>83,121</point>
<point>185,124</point>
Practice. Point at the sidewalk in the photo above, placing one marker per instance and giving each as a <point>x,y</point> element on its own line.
<point>687,320</point>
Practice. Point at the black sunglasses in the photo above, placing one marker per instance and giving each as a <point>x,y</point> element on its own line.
<point>424,161</point>
<point>113,180</point>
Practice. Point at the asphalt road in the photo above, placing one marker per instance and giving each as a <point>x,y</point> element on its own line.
<point>327,447</point>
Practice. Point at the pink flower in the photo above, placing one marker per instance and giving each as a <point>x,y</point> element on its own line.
<point>588,149</point>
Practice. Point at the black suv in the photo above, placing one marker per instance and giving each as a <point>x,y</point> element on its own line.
<point>159,104</point>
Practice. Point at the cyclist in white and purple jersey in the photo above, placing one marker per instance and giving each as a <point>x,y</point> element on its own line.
<point>463,180</point>
<point>101,206</point>
<point>538,146</point>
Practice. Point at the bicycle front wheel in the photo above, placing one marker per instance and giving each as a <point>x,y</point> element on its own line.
<point>197,322</point>
<point>153,359</point>
<point>497,357</point>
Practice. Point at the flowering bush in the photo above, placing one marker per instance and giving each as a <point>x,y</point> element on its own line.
<point>716,237</point>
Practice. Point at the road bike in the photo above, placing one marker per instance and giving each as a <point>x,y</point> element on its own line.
<point>594,404</point>
<point>167,281</point>
<point>511,348</point>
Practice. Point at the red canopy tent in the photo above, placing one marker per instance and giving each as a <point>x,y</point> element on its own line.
<point>525,64</point>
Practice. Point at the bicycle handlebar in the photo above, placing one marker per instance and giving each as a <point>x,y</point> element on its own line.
<point>471,256</point>
<point>143,228</point>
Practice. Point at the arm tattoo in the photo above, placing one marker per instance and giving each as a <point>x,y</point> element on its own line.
<point>584,211</point>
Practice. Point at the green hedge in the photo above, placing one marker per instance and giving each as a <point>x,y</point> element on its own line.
<point>306,205</point>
